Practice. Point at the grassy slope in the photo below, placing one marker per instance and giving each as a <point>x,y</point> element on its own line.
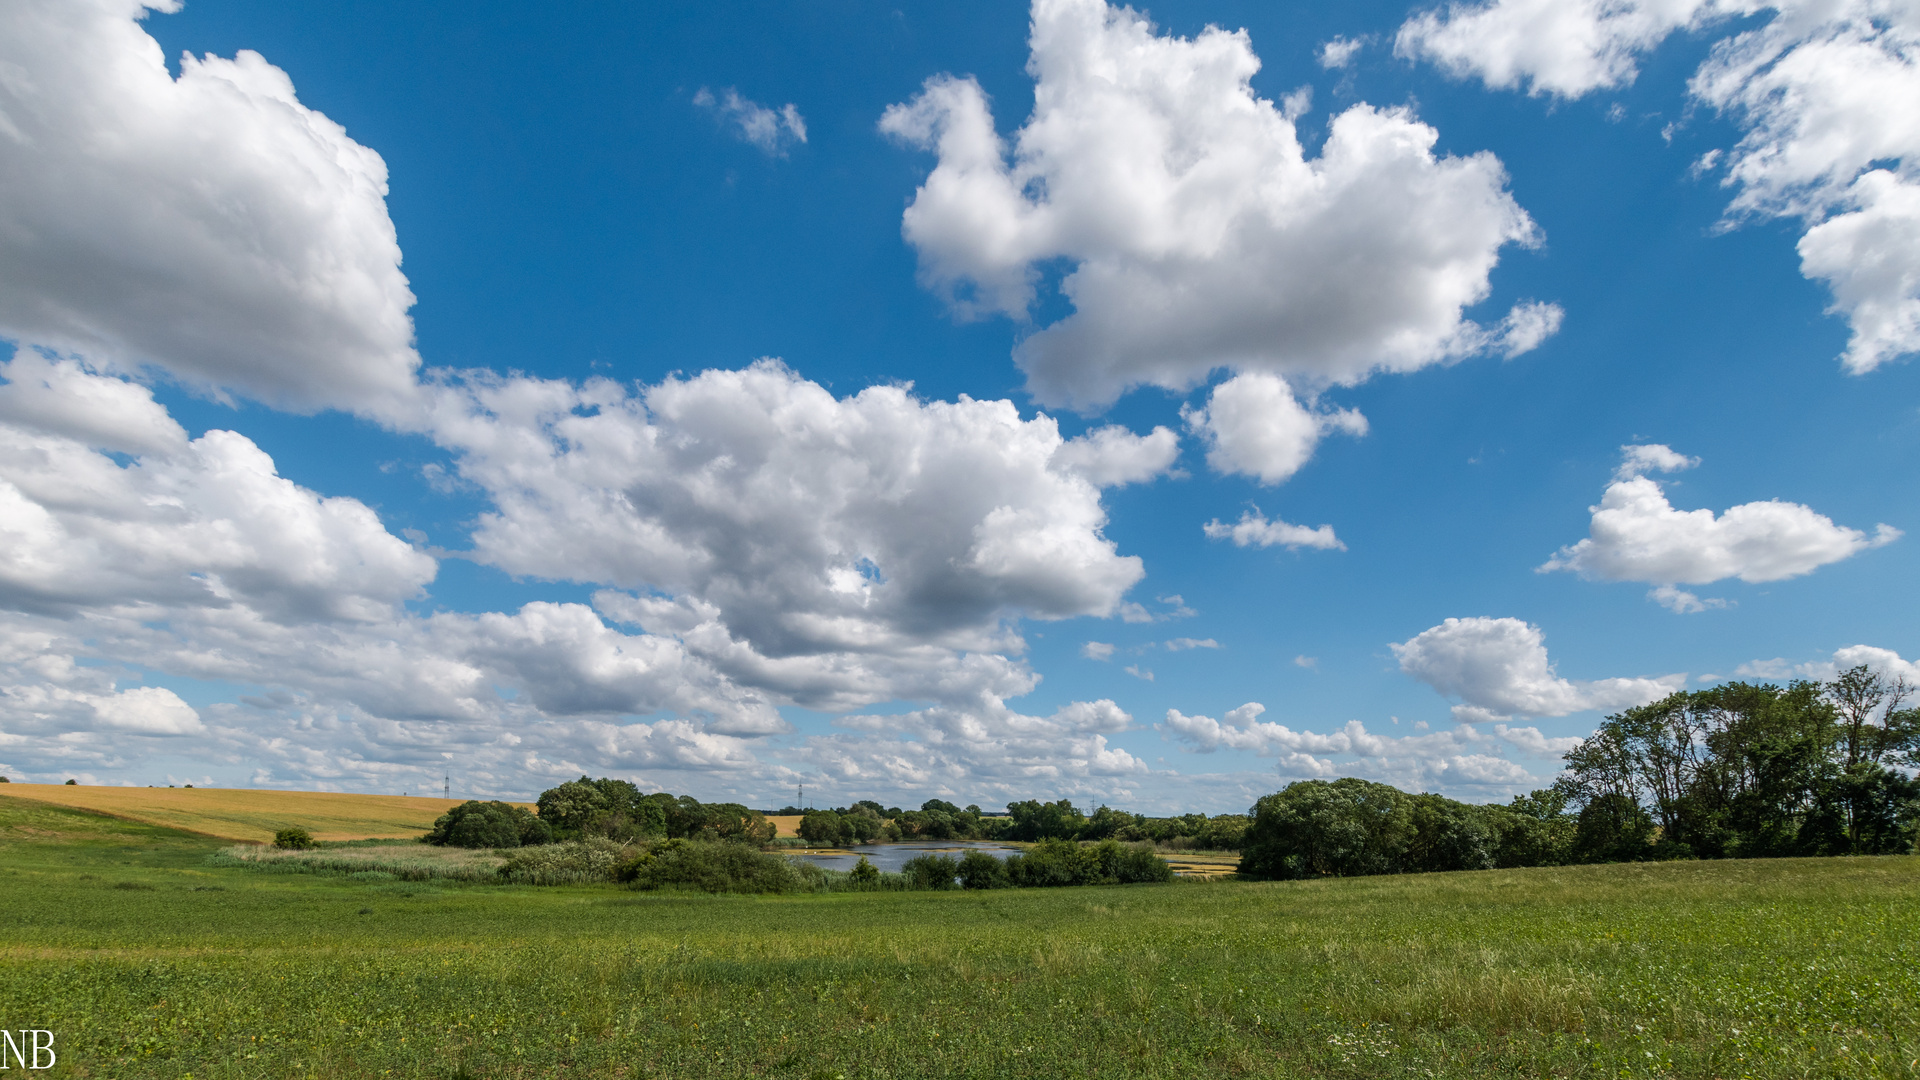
<point>239,814</point>
<point>1786,968</point>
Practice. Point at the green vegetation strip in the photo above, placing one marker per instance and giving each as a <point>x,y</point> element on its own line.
<point>1779,968</point>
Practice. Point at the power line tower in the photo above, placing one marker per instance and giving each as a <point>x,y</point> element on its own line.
<point>800,796</point>
<point>446,788</point>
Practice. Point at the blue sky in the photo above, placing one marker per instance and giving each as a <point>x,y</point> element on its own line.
<point>521,506</point>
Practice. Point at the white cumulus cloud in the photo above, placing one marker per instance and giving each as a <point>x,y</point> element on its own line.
<point>1254,426</point>
<point>1498,668</point>
<point>1828,95</point>
<point>211,225</point>
<point>1638,535</point>
<point>1200,234</point>
<point>1254,530</point>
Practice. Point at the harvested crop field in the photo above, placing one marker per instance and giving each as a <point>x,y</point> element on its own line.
<point>246,814</point>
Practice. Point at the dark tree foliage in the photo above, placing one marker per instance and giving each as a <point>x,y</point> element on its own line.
<point>1063,862</point>
<point>616,809</point>
<point>611,808</point>
<point>1033,820</point>
<point>841,828</point>
<point>979,870</point>
<point>475,824</point>
<point>931,871</point>
<point>710,866</point>
<point>294,839</point>
<point>1745,771</point>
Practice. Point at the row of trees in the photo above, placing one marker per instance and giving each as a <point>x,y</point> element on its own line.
<point>867,821</point>
<point>610,809</point>
<point>1736,771</point>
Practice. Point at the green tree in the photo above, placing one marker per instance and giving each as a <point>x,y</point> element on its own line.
<point>475,824</point>
<point>1320,828</point>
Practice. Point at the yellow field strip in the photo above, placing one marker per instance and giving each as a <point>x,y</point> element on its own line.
<point>248,814</point>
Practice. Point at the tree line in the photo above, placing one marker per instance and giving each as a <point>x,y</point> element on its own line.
<point>1735,771</point>
<point>1027,821</point>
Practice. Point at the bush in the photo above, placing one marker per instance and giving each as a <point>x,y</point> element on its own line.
<point>931,872</point>
<point>570,863</point>
<point>979,870</point>
<point>73,783</point>
<point>294,839</point>
<point>1054,863</point>
<point>474,824</point>
<point>714,867</point>
<point>864,873</point>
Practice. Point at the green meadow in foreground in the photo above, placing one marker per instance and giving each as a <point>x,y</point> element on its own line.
<point>149,960</point>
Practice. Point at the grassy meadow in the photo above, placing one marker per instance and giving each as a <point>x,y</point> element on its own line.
<point>149,956</point>
<point>243,814</point>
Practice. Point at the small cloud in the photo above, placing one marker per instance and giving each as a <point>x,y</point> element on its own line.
<point>1097,650</point>
<point>1139,672</point>
<point>772,130</point>
<point>1182,643</point>
<point>1253,529</point>
<point>1681,602</point>
<point>1339,52</point>
<point>1137,613</point>
<point>1617,113</point>
<point>1311,663</point>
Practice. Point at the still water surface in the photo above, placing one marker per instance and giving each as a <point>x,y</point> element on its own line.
<point>891,857</point>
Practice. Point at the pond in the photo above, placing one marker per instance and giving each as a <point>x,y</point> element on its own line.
<point>891,857</point>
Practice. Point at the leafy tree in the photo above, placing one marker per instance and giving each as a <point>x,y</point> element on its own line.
<point>1338,828</point>
<point>1533,830</point>
<point>1448,835</point>
<point>931,872</point>
<point>864,873</point>
<point>1033,820</point>
<point>475,824</point>
<point>979,870</point>
<point>605,807</point>
<point>294,838</point>
<point>824,828</point>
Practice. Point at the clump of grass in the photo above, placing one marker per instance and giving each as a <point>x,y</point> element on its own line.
<point>404,861</point>
<point>135,886</point>
<point>595,859</point>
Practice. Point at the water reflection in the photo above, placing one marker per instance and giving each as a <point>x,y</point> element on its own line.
<point>891,857</point>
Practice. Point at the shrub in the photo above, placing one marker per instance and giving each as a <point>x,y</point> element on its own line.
<point>979,870</point>
<point>931,872</point>
<point>474,824</point>
<point>1053,863</point>
<point>711,867</point>
<point>73,783</point>
<point>573,862</point>
<point>863,873</point>
<point>294,839</point>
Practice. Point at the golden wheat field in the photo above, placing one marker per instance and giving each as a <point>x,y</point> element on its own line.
<point>248,814</point>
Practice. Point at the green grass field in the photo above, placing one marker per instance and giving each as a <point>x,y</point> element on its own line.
<point>147,960</point>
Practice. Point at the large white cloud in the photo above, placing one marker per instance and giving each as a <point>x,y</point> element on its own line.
<point>1200,234</point>
<point>209,224</point>
<point>1561,47</point>
<point>777,546</point>
<point>1637,535</point>
<point>1828,92</point>
<point>1498,668</point>
<point>205,522</point>
<point>836,548</point>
